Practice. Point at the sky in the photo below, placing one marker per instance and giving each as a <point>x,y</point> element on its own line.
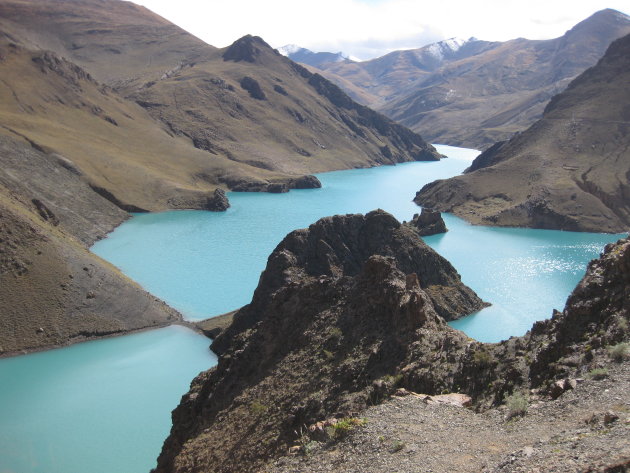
<point>364,29</point>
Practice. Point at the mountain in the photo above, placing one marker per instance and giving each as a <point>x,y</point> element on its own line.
<point>242,117</point>
<point>389,76</point>
<point>475,93</point>
<point>570,170</point>
<point>342,321</point>
<point>107,108</point>
<point>308,57</point>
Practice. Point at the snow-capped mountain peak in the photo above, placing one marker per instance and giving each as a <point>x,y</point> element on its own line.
<point>446,47</point>
<point>289,49</point>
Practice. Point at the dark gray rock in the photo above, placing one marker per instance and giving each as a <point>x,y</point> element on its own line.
<point>429,222</point>
<point>218,202</point>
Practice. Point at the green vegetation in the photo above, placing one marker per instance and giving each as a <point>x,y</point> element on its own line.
<point>397,446</point>
<point>258,408</point>
<point>393,380</point>
<point>597,373</point>
<point>482,358</point>
<point>619,352</point>
<point>517,404</point>
<point>328,355</point>
<point>344,426</point>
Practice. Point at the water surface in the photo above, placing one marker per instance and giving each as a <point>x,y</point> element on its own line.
<point>96,407</point>
<point>104,406</point>
<point>206,263</point>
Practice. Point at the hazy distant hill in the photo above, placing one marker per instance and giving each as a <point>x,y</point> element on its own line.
<point>474,93</point>
<point>308,57</point>
<point>570,170</point>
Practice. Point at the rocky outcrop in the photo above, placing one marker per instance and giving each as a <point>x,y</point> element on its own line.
<point>568,171</point>
<point>218,202</point>
<point>248,49</point>
<point>340,246</point>
<point>253,87</point>
<point>331,330</point>
<point>429,222</point>
<point>339,306</point>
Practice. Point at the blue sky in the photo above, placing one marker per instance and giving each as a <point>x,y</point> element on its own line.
<point>370,28</point>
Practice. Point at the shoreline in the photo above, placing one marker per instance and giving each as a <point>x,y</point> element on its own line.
<point>202,327</point>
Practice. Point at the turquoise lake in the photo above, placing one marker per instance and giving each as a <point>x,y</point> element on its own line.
<point>96,407</point>
<point>207,263</point>
<point>104,406</point>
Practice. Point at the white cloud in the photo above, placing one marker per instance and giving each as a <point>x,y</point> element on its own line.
<point>364,28</point>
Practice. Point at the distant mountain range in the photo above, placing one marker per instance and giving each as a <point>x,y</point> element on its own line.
<point>473,93</point>
<point>308,57</point>
<point>570,170</point>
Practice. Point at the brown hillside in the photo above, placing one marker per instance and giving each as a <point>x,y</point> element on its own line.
<point>570,170</point>
<point>482,92</point>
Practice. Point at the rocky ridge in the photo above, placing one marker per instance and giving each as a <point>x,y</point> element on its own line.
<point>568,171</point>
<point>318,345</point>
<point>332,299</point>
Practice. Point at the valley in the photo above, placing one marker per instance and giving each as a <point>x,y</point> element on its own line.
<point>157,191</point>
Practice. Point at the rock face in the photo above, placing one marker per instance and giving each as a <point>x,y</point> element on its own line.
<point>429,222</point>
<point>568,171</point>
<point>338,307</point>
<point>340,246</point>
<point>473,93</point>
<point>326,336</point>
<point>218,202</point>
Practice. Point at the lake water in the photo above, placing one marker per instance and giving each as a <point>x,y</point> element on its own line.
<point>104,406</point>
<point>206,263</point>
<point>96,407</point>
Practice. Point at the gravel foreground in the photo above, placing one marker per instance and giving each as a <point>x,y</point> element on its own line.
<point>585,430</point>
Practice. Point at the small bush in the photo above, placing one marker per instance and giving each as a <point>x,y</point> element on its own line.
<point>341,428</point>
<point>336,332</point>
<point>482,358</point>
<point>397,446</point>
<point>597,373</point>
<point>258,408</point>
<point>328,355</point>
<point>393,380</point>
<point>516,404</point>
<point>619,352</point>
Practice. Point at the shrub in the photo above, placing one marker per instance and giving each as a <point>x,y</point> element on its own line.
<point>516,404</point>
<point>258,408</point>
<point>482,358</point>
<point>341,428</point>
<point>619,352</point>
<point>397,446</point>
<point>597,373</point>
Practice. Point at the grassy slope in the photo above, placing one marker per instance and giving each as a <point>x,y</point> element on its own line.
<point>137,159</point>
